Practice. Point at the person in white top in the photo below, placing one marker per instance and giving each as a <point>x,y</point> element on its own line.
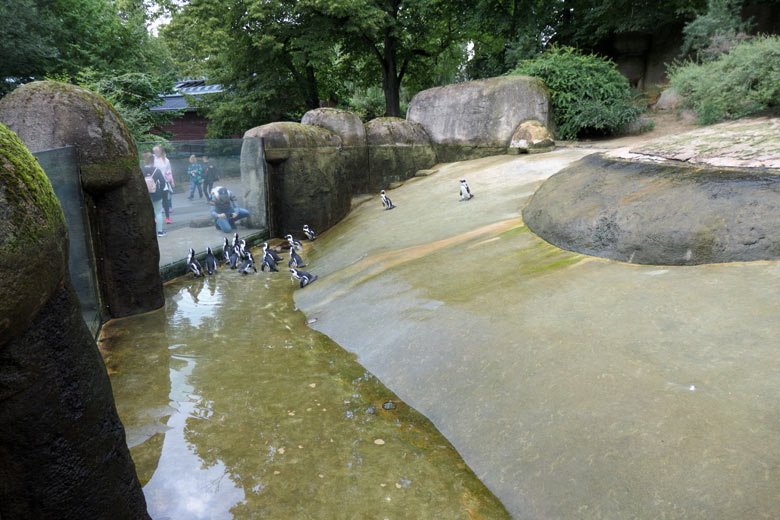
<point>164,165</point>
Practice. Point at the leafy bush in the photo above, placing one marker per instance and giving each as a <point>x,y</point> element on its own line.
<point>744,81</point>
<point>714,32</point>
<point>589,96</point>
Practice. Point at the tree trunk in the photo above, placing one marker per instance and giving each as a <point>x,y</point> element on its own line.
<point>391,84</point>
<point>312,92</point>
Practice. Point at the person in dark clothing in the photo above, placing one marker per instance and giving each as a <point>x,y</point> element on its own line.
<point>209,177</point>
<point>155,184</point>
<point>224,209</point>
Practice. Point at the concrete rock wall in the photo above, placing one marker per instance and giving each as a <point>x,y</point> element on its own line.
<point>62,448</point>
<point>50,114</point>
<point>396,150</point>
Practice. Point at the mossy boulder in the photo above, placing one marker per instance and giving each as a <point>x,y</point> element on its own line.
<point>477,118</point>
<point>397,149</point>
<point>349,127</point>
<point>661,214</point>
<point>33,237</point>
<point>49,114</point>
<point>531,137</point>
<point>307,176</point>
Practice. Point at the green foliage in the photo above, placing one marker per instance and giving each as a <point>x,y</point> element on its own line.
<point>744,81</point>
<point>589,96</point>
<point>713,32</point>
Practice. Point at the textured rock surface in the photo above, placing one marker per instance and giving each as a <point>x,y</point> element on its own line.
<point>658,213</point>
<point>307,176</point>
<point>531,136</point>
<point>49,115</point>
<point>477,118</point>
<point>62,448</point>
<point>349,127</point>
<point>33,237</point>
<point>397,148</point>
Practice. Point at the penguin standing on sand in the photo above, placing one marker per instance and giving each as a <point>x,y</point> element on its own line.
<point>193,265</point>
<point>304,277</point>
<point>248,263</point>
<point>268,259</point>
<point>310,234</point>
<point>465,192</point>
<point>295,259</point>
<point>211,261</point>
<point>294,244</point>
<point>226,251</point>
<point>386,202</point>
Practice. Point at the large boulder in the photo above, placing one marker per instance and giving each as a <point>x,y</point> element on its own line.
<point>662,214</point>
<point>397,148</point>
<point>62,448</point>
<point>349,127</point>
<point>477,118</point>
<point>531,137</point>
<point>307,176</point>
<point>50,114</point>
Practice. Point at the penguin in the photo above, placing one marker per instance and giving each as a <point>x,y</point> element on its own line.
<point>242,250</point>
<point>268,251</point>
<point>211,261</point>
<point>386,202</point>
<point>248,263</point>
<point>235,239</point>
<point>294,244</point>
<point>295,259</point>
<point>234,257</point>
<point>304,277</point>
<point>465,192</point>
<point>268,260</point>
<point>225,251</point>
<point>193,265</point>
<point>310,234</point>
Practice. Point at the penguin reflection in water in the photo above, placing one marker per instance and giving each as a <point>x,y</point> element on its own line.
<point>309,232</point>
<point>248,263</point>
<point>268,259</point>
<point>211,261</point>
<point>386,202</point>
<point>304,277</point>
<point>193,265</point>
<point>465,192</point>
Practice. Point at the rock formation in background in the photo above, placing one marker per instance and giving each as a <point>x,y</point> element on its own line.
<point>478,118</point>
<point>397,148</point>
<point>50,114</point>
<point>62,448</point>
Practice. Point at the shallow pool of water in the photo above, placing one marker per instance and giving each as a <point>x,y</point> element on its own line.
<point>235,408</point>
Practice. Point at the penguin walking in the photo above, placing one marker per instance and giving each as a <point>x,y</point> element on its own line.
<point>304,277</point>
<point>226,251</point>
<point>386,202</point>
<point>295,259</point>
<point>268,251</point>
<point>294,244</point>
<point>268,261</point>
<point>248,263</point>
<point>465,192</point>
<point>309,232</point>
<point>211,261</point>
<point>242,250</point>
<point>193,265</point>
<point>234,257</point>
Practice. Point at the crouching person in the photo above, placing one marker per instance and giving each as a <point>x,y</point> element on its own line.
<point>224,209</point>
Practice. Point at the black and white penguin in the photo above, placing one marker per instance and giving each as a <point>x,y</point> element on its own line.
<point>268,251</point>
<point>310,234</point>
<point>465,192</point>
<point>268,260</point>
<point>294,244</point>
<point>193,265</point>
<point>234,257</point>
<point>295,259</point>
<point>211,261</point>
<point>248,263</point>
<point>304,277</point>
<point>235,240</point>
<point>226,251</point>
<point>386,202</point>
<point>242,250</point>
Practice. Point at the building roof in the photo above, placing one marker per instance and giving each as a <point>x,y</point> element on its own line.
<point>194,87</point>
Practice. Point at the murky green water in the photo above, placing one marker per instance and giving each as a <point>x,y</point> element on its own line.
<point>234,408</point>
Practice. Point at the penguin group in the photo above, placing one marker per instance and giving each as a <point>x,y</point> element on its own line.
<point>237,256</point>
